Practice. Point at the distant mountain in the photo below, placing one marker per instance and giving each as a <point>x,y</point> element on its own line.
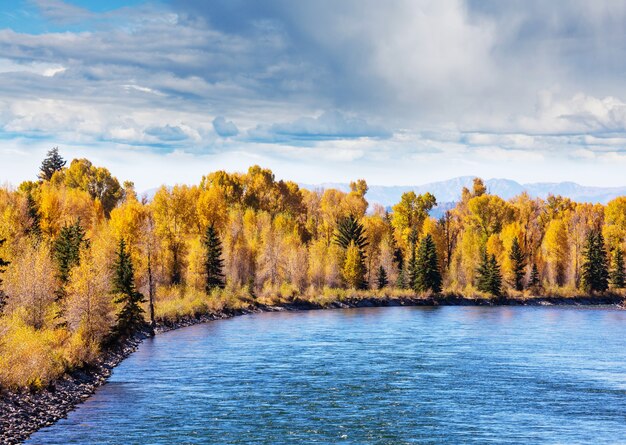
<point>450,190</point>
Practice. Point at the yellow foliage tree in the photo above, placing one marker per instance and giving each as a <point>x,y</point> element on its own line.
<point>556,251</point>
<point>30,283</point>
<point>89,308</point>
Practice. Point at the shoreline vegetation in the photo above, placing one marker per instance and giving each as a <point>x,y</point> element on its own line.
<point>26,411</point>
<point>87,265</point>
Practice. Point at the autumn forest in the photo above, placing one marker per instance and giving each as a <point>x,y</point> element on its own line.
<point>85,260</point>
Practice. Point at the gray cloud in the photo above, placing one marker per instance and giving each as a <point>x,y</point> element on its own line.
<point>225,128</point>
<point>328,126</point>
<point>167,133</point>
<point>405,79</point>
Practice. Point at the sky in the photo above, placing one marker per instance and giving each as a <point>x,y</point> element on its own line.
<point>399,92</point>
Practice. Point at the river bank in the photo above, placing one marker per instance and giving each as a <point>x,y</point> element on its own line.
<point>23,413</point>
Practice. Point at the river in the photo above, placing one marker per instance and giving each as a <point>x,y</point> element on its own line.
<point>398,375</point>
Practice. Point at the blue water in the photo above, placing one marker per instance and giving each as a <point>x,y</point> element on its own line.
<point>369,376</point>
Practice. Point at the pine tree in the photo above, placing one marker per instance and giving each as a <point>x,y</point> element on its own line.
<point>518,262</point>
<point>411,267</point>
<point>534,277</point>
<point>489,277</point>
<point>595,270</point>
<point>401,280</point>
<point>618,277</point>
<point>51,164</point>
<point>35,218</point>
<point>496,277</point>
<point>428,274</point>
<point>130,316</point>
<point>349,229</point>
<point>354,267</point>
<point>398,260</point>
<point>3,264</point>
<point>66,250</point>
<point>213,262</point>
<point>381,278</point>
<point>350,235</point>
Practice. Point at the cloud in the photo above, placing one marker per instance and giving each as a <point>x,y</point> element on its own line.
<point>42,69</point>
<point>62,12</point>
<point>579,114</point>
<point>330,125</point>
<point>167,133</point>
<point>452,87</point>
<point>225,128</point>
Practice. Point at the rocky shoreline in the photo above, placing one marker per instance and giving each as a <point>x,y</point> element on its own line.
<point>24,412</point>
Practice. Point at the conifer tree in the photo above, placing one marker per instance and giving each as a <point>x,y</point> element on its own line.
<point>35,218</point>
<point>428,275</point>
<point>518,263</point>
<point>398,260</point>
<point>412,271</point>
<point>51,164</point>
<point>349,229</point>
<point>496,277</point>
<point>534,277</point>
<point>213,262</point>
<point>354,267</point>
<point>130,316</point>
<point>350,235</point>
<point>66,250</point>
<point>401,280</point>
<point>489,277</point>
<point>381,278</point>
<point>3,264</point>
<point>595,270</point>
<point>618,277</point>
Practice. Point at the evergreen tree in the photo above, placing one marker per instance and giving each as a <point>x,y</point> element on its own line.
<point>401,280</point>
<point>595,270</point>
<point>34,216</point>
<point>66,251</point>
<point>350,235</point>
<point>518,263</point>
<point>397,258</point>
<point>130,316</point>
<point>51,164</point>
<point>618,277</point>
<point>3,264</point>
<point>213,262</point>
<point>354,267</point>
<point>534,277</point>
<point>489,276</point>
<point>381,278</point>
<point>412,268</point>
<point>349,229</point>
<point>428,275</point>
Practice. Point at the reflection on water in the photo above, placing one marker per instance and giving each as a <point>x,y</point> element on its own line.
<point>369,376</point>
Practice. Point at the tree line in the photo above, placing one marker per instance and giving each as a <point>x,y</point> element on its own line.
<point>84,259</point>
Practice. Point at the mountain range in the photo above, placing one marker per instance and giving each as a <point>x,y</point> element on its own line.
<point>450,190</point>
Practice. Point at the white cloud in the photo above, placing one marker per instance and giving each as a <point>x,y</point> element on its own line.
<point>42,69</point>
<point>442,88</point>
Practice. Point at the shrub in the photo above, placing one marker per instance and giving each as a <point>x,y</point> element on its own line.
<point>30,357</point>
